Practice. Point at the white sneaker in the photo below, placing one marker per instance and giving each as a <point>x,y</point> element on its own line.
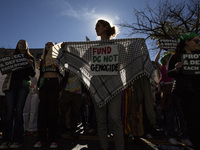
<point>15,145</point>
<point>53,145</point>
<point>187,142</point>
<point>38,144</point>
<point>4,145</point>
<point>173,141</point>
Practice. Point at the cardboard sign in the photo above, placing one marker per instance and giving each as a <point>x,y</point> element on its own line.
<point>191,63</point>
<point>104,60</point>
<point>12,63</point>
<point>168,44</point>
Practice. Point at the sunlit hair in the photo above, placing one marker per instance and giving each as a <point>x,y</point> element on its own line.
<point>43,53</point>
<point>111,31</point>
<point>17,51</point>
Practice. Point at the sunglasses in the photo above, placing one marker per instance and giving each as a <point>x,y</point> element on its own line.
<point>197,41</point>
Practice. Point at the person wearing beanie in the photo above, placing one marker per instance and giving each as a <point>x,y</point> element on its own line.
<point>186,87</point>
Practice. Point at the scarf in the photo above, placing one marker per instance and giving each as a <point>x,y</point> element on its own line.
<point>133,63</point>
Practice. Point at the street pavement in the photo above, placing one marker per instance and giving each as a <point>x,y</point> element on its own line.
<point>90,142</point>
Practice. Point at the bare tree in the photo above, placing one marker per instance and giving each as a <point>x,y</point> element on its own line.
<point>167,20</point>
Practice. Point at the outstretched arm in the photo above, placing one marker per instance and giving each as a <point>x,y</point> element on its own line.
<point>157,58</point>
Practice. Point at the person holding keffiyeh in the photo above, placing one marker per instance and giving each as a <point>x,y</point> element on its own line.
<point>105,31</point>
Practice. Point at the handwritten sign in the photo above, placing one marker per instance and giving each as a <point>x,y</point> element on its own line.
<point>104,60</point>
<point>168,44</point>
<point>191,63</point>
<point>12,63</point>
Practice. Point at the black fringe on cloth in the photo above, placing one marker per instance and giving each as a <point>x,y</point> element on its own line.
<point>134,62</point>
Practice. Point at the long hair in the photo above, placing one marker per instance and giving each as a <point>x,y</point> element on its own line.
<point>17,51</point>
<point>27,54</point>
<point>111,31</point>
<point>180,47</point>
<point>44,51</point>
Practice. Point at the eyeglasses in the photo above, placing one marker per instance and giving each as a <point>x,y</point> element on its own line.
<point>197,41</point>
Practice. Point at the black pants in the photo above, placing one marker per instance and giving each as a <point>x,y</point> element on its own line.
<point>48,110</point>
<point>2,109</point>
<point>191,109</point>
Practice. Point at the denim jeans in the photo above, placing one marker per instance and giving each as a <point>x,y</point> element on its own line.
<point>15,97</point>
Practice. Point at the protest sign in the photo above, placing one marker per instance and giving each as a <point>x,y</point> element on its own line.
<point>168,44</point>
<point>104,60</point>
<point>191,63</point>
<point>12,63</point>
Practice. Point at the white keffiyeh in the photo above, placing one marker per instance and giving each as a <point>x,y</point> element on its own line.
<point>134,62</point>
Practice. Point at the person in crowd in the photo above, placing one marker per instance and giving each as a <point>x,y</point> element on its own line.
<point>142,105</point>
<point>186,87</point>
<point>160,117</point>
<point>2,99</point>
<point>92,121</point>
<point>71,98</point>
<point>105,31</point>
<point>165,86</point>
<point>49,88</point>
<point>165,82</point>
<point>31,105</point>
<point>171,106</point>
<point>84,114</point>
<point>15,97</point>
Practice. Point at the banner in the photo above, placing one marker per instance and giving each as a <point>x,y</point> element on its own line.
<point>12,63</point>
<point>168,44</point>
<point>104,60</point>
<point>133,62</point>
<point>191,63</point>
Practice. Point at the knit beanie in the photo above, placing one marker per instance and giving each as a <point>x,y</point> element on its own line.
<point>162,60</point>
<point>187,36</point>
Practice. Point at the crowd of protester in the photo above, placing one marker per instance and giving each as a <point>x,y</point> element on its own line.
<point>52,103</point>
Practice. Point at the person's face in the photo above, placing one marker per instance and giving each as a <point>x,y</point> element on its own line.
<point>22,46</point>
<point>48,46</point>
<point>193,44</point>
<point>100,29</point>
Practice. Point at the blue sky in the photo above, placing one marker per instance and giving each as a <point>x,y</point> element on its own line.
<point>40,21</point>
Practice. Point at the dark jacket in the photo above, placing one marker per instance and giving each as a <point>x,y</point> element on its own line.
<point>183,83</point>
<point>25,73</point>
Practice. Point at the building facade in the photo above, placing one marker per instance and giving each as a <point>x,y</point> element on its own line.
<point>35,52</point>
